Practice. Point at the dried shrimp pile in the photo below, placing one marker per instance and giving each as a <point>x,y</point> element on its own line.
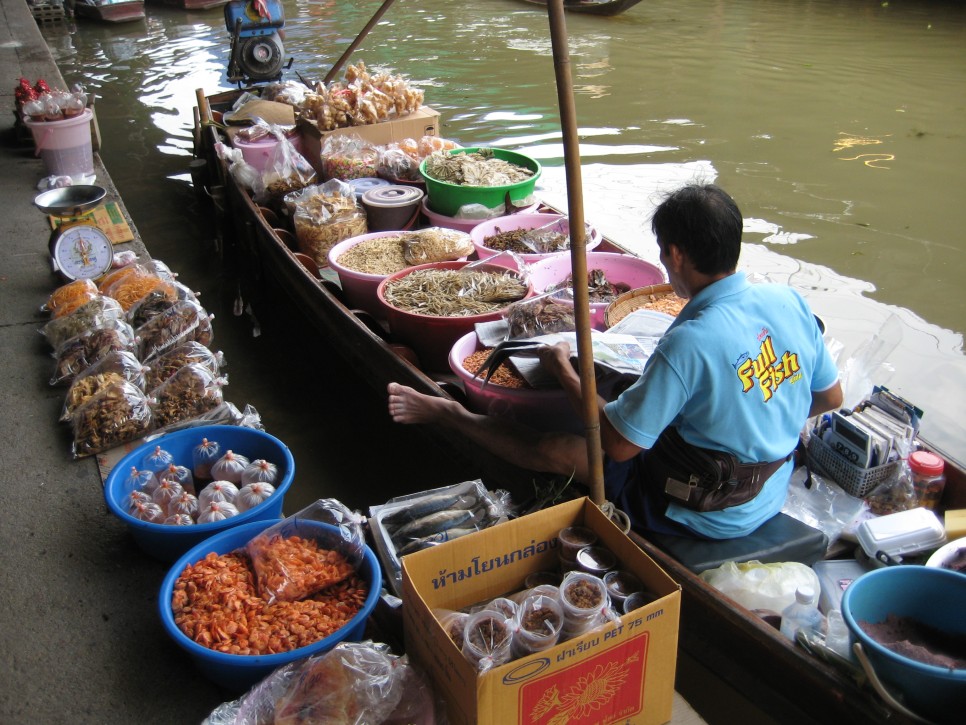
<point>454,293</point>
<point>479,168</point>
<point>504,376</point>
<point>668,303</point>
<point>362,99</point>
<point>216,604</point>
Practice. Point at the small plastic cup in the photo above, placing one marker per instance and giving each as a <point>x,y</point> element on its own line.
<point>638,600</point>
<point>620,585</point>
<point>583,596</point>
<point>486,639</point>
<point>537,625</point>
<point>596,560</point>
<point>454,624</point>
<point>503,605</point>
<point>573,539</point>
<point>542,577</point>
<point>548,590</point>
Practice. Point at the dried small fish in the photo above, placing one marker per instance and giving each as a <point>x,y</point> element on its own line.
<point>425,542</point>
<point>478,168</point>
<point>437,522</point>
<point>454,293</point>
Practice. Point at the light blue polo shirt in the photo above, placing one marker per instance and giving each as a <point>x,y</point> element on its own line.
<point>734,372</point>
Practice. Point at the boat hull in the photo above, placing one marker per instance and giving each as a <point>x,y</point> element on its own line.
<point>117,12</point>
<point>590,7</point>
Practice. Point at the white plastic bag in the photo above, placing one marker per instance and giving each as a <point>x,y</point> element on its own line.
<point>761,586</point>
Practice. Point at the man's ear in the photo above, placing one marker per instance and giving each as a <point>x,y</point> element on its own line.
<point>676,256</point>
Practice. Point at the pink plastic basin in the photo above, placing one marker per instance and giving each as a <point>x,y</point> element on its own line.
<point>448,222</point>
<point>544,409</point>
<point>524,220</point>
<point>431,337</point>
<point>359,288</point>
<point>618,268</point>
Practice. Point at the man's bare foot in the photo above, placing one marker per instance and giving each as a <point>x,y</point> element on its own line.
<point>410,406</point>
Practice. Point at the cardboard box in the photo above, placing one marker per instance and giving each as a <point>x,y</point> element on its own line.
<point>423,122</point>
<point>621,672</point>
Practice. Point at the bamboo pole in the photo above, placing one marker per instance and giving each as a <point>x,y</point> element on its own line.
<point>578,250</point>
<point>359,38</point>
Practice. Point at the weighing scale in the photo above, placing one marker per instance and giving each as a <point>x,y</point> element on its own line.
<point>78,248</point>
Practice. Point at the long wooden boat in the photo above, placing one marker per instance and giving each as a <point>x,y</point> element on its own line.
<point>192,5</point>
<point>781,678</point>
<point>109,11</point>
<point>592,7</point>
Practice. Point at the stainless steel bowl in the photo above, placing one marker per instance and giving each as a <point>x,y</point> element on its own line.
<point>70,200</point>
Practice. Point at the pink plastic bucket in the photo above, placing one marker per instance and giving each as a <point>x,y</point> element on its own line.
<point>258,153</point>
<point>65,146</point>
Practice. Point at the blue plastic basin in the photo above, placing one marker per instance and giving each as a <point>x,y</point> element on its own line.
<point>239,672</point>
<point>935,597</point>
<point>167,543</point>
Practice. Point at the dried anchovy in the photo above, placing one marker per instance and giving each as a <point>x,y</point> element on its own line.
<point>479,168</point>
<point>83,351</point>
<point>118,414</point>
<point>382,255</point>
<point>152,305</point>
<point>454,293</point>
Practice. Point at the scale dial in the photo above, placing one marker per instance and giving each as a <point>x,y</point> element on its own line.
<point>81,251</point>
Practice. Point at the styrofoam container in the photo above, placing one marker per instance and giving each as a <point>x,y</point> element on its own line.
<point>431,337</point>
<point>546,409</point>
<point>937,599</point>
<point>618,269</point>
<point>239,672</point>
<point>167,543</point>
<point>523,220</point>
<point>902,533</point>
<point>359,288</point>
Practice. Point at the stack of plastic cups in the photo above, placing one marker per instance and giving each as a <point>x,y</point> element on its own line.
<point>487,639</point>
<point>584,600</point>
<point>537,625</point>
<point>572,539</point>
<point>506,607</point>
<point>596,560</point>
<point>621,585</point>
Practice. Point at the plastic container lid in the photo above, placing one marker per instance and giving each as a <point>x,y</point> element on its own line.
<point>926,463</point>
<point>904,532</point>
<point>388,195</point>
<point>366,183</point>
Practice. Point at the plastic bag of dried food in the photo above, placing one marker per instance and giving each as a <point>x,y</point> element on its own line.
<point>137,283</point>
<point>323,216</point>
<point>94,313</point>
<point>553,236</point>
<point>67,298</point>
<point>190,392</point>
<point>79,353</point>
<point>355,683</point>
<point>151,305</point>
<point>436,244</point>
<point>296,557</point>
<point>118,414</point>
<point>541,315</point>
<point>290,92</point>
<point>286,171</point>
<point>117,365</point>
<point>184,321</point>
<point>348,156</point>
<point>164,365</point>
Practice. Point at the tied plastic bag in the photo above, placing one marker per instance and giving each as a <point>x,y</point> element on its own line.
<point>246,175</point>
<point>541,315</point>
<point>150,306</point>
<point>115,366</point>
<point>163,366</point>
<point>553,236</point>
<point>323,216</point>
<point>134,282</point>
<point>348,156</point>
<point>400,161</point>
<point>79,353</point>
<point>894,494</point>
<point>293,559</point>
<point>190,392</point>
<point>286,171</point>
<point>822,504</point>
<point>436,244</point>
<point>97,312</point>
<point>67,298</point>
<point>768,587</point>
<point>184,321</point>
<point>355,683</point>
<point>120,413</point>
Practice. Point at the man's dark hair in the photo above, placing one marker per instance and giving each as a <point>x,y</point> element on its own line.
<point>704,223</point>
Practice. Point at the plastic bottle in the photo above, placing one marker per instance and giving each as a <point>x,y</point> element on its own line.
<point>927,477</point>
<point>801,614</point>
<point>837,636</point>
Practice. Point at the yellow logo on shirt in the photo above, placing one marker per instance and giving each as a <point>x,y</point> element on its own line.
<point>768,370</point>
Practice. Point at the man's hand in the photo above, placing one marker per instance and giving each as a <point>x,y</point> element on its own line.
<point>555,359</point>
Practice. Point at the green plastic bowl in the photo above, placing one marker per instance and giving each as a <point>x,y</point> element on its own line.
<point>446,198</point>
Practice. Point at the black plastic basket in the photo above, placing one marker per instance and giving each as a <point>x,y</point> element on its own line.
<point>856,481</point>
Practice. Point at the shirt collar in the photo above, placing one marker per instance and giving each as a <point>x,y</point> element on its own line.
<point>730,285</point>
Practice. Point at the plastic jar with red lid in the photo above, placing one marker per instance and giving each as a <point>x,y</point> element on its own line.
<point>927,477</point>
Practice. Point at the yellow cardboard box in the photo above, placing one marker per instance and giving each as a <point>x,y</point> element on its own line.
<point>621,672</point>
<point>423,122</point>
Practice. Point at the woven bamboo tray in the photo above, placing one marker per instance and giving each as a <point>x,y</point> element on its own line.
<point>635,299</point>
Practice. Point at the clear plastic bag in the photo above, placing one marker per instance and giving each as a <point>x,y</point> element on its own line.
<point>135,283</point>
<point>894,494</point>
<point>487,640</point>
<point>348,156</point>
<point>292,560</point>
<point>117,365</point>
<point>244,174</point>
<point>151,305</point>
<point>81,352</point>
<point>229,467</point>
<point>203,456</point>
<point>164,365</point>
<point>67,298</point>
<point>822,504</point>
<point>190,392</point>
<point>251,495</point>
<point>553,236</point>
<point>184,321</point>
<point>120,413</point>
<point>355,683</point>
<point>179,474</point>
<point>436,244</point>
<point>323,216</point>
<point>259,471</point>
<point>97,312</point>
<point>286,171</point>
<point>217,492</point>
<point>400,161</point>
<point>157,459</point>
<point>541,315</point>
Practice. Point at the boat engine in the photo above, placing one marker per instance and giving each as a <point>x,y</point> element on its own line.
<point>256,33</point>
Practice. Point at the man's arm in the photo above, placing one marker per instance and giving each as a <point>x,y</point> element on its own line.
<point>826,400</point>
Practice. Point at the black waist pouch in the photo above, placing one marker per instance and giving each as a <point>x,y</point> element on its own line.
<point>702,479</point>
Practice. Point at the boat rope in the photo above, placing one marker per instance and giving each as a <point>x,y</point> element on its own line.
<point>622,520</point>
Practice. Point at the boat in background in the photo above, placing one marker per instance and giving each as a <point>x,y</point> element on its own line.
<point>192,4</point>
<point>783,679</point>
<point>109,11</point>
<point>592,7</point>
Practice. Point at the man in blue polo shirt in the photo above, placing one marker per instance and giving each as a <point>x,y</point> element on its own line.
<point>735,378</point>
